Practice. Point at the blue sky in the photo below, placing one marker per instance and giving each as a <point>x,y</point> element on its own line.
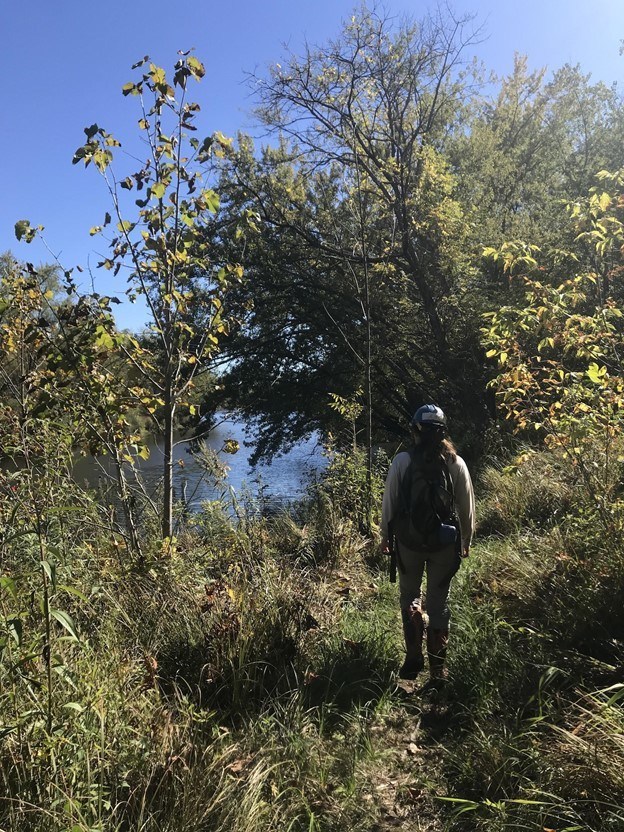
<point>64,62</point>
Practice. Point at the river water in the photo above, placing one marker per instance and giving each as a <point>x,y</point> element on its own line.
<point>273,485</point>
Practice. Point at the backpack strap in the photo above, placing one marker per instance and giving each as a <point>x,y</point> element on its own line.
<point>447,470</point>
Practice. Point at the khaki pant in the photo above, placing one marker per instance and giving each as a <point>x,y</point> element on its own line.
<point>440,568</point>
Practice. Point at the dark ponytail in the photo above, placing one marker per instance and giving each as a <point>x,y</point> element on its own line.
<point>445,448</point>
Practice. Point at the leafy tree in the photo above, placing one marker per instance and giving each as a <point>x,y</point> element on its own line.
<point>163,247</point>
<point>357,266</point>
<point>61,377</point>
<point>559,351</point>
<point>528,148</point>
<point>377,103</point>
<point>531,146</point>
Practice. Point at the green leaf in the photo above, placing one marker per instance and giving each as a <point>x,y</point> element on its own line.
<point>24,230</point>
<point>525,801</point>
<point>158,190</point>
<point>71,590</point>
<point>21,227</point>
<point>14,626</point>
<point>74,706</point>
<point>103,338</point>
<point>224,141</point>
<point>65,620</point>
<point>204,151</point>
<point>9,584</point>
<point>196,66</point>
<point>102,159</point>
<point>211,198</point>
<point>50,571</point>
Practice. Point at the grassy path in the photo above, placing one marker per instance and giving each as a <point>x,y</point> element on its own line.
<point>407,770</point>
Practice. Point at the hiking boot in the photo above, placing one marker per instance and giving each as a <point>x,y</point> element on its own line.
<point>411,667</point>
<point>437,641</point>
<point>413,631</point>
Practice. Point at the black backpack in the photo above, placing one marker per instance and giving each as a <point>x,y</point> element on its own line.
<point>426,519</point>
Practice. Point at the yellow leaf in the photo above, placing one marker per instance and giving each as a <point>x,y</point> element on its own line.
<point>604,201</point>
<point>231,446</point>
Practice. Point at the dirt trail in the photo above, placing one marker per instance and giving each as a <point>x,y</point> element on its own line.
<point>407,762</point>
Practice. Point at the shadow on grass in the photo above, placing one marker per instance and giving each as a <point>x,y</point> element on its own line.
<point>356,674</point>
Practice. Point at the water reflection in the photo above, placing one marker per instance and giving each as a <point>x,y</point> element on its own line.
<point>281,482</point>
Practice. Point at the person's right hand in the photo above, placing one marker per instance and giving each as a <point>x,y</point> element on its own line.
<point>465,550</point>
<point>385,547</point>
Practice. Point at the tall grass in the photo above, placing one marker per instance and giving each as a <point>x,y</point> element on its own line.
<point>537,661</point>
<point>244,678</point>
<point>227,684</point>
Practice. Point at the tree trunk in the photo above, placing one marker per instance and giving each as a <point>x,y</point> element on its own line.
<point>369,406</point>
<point>429,303</point>
<point>124,496</point>
<point>167,505</point>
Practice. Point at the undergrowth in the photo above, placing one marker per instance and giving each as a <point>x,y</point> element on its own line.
<point>537,680</point>
<point>227,682</point>
<point>244,678</point>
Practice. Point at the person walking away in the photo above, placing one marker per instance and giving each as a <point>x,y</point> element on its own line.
<point>428,513</point>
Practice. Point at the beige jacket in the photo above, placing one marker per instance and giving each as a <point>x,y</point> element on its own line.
<point>462,485</point>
